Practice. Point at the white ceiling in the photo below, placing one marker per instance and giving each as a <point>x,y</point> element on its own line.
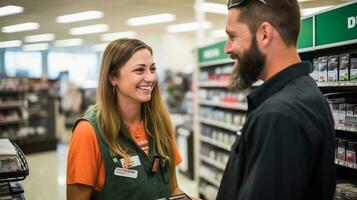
<point>115,14</point>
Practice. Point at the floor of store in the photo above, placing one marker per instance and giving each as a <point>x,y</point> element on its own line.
<point>47,178</point>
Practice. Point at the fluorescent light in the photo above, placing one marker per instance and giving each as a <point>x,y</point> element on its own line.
<point>192,26</point>
<point>151,19</point>
<point>10,10</point>
<point>214,8</point>
<point>80,16</point>
<point>35,47</point>
<point>10,43</point>
<point>98,28</point>
<point>310,11</point>
<point>20,27</point>
<point>40,38</point>
<point>100,47</point>
<point>69,42</point>
<point>221,33</point>
<point>113,36</point>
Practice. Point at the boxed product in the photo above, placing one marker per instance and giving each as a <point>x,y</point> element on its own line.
<point>332,68</point>
<point>344,72</point>
<point>351,115</point>
<point>353,67</point>
<point>323,69</point>
<point>342,114</point>
<point>341,148</point>
<point>351,151</point>
<point>315,71</point>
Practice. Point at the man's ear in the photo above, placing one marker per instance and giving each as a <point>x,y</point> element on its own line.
<point>265,34</point>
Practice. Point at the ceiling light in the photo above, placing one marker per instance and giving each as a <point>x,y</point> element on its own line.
<point>35,47</point>
<point>310,11</point>
<point>192,26</point>
<point>10,43</point>
<point>151,19</point>
<point>113,36</point>
<point>69,42</point>
<point>100,47</point>
<point>20,27</point>
<point>80,16</point>
<point>98,28</point>
<point>10,10</point>
<point>221,33</point>
<point>40,37</point>
<point>213,8</point>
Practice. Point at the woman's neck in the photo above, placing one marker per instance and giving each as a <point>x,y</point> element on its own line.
<point>131,113</point>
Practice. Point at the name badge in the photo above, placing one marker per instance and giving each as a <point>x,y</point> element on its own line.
<point>130,173</point>
<point>133,161</point>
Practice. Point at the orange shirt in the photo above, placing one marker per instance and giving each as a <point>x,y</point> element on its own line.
<point>84,162</point>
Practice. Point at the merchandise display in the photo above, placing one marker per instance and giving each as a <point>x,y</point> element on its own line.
<point>221,115</point>
<point>27,112</point>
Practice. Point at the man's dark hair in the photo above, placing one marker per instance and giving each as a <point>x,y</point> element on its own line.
<point>283,15</point>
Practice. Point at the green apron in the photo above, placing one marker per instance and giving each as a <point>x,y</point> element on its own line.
<point>138,182</point>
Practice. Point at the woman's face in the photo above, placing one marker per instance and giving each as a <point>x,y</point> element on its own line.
<point>136,79</point>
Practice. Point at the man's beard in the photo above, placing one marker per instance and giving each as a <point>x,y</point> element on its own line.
<point>248,67</point>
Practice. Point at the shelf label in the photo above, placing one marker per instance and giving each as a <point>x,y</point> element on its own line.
<point>306,34</point>
<point>212,53</point>
<point>337,25</point>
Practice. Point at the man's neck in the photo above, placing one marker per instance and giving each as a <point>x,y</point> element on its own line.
<point>278,61</point>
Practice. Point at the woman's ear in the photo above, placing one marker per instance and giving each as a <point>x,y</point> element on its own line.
<point>112,80</point>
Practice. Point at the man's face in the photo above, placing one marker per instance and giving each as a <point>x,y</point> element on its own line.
<point>242,46</point>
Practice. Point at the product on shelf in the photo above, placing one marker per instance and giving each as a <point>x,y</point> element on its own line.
<point>353,67</point>
<point>351,152</point>
<point>323,69</point>
<point>332,69</point>
<point>344,73</point>
<point>315,73</point>
<point>341,149</point>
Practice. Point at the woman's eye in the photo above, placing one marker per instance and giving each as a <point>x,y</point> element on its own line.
<point>139,70</point>
<point>153,68</point>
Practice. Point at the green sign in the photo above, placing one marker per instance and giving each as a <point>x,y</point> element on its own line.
<point>305,36</point>
<point>336,25</point>
<point>212,53</point>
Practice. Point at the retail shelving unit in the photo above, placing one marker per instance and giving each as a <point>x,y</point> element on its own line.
<point>27,113</point>
<point>221,112</point>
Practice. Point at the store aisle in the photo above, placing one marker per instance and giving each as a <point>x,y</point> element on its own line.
<point>47,179</point>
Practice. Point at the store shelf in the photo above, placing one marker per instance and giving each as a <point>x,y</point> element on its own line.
<point>213,162</point>
<point>214,84</point>
<point>346,128</point>
<point>337,84</point>
<point>231,127</point>
<point>215,143</point>
<point>233,106</point>
<point>216,62</point>
<point>10,122</point>
<point>346,164</point>
<point>210,180</point>
<point>10,106</point>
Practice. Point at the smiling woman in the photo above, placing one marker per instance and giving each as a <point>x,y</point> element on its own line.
<point>127,139</point>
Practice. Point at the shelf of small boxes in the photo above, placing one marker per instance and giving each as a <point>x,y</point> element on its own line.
<point>346,128</point>
<point>215,143</point>
<point>213,162</point>
<point>346,164</point>
<point>215,84</point>
<point>227,105</point>
<point>336,84</point>
<point>224,125</point>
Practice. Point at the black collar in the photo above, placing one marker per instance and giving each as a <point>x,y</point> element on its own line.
<point>274,84</point>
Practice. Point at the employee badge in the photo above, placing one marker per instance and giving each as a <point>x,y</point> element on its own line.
<point>130,173</point>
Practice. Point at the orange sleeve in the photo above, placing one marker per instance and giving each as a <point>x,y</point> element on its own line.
<point>84,162</point>
<point>178,158</point>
